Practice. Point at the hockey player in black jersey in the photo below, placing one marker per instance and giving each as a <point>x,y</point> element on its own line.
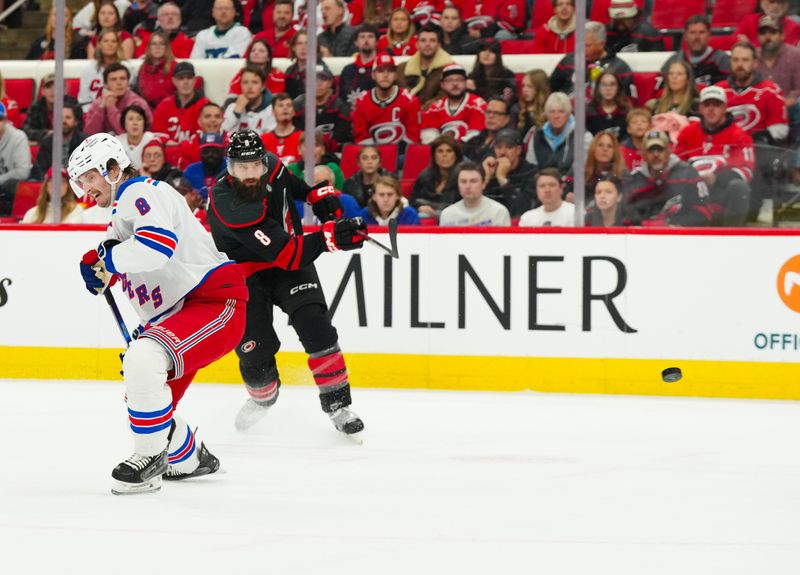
<point>254,220</point>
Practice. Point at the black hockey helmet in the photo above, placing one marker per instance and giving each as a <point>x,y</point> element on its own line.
<point>246,146</point>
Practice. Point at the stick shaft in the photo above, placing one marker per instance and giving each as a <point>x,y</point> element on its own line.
<point>112,304</point>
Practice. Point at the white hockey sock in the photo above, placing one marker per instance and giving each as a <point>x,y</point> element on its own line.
<point>183,449</point>
<point>149,398</point>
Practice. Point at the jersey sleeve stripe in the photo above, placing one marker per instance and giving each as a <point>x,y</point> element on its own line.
<point>155,245</point>
<point>161,231</point>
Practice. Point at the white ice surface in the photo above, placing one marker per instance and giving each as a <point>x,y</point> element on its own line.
<point>445,483</point>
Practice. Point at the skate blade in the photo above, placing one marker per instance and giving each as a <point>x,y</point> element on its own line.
<point>122,488</point>
<point>357,438</point>
<point>247,419</point>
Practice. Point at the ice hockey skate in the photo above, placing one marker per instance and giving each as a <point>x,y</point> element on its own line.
<point>251,413</point>
<point>348,422</point>
<point>208,465</point>
<point>139,474</point>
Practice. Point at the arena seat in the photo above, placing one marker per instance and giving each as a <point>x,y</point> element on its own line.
<point>21,90</point>
<point>723,42</point>
<point>25,198</point>
<point>418,157</point>
<point>72,86</point>
<point>541,12</point>
<point>727,14</point>
<point>670,16</point>
<point>406,186</point>
<point>517,46</point>
<point>349,164</point>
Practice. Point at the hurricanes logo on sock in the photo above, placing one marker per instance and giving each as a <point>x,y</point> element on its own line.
<point>248,346</point>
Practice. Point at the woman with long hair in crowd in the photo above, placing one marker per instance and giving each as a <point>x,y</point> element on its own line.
<point>259,54</point>
<point>108,17</point>
<point>400,38</point>
<point>436,186</point>
<point>604,159</point>
<point>489,77</point>
<point>608,107</point>
<point>109,51</point>
<point>607,208</point>
<point>387,204</point>
<point>680,93</point>
<point>42,212</point>
<point>154,81</point>
<point>43,48</point>
<point>296,72</point>
<point>528,112</point>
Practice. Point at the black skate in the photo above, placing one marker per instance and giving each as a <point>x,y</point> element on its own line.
<point>347,422</point>
<point>208,465</point>
<point>139,474</point>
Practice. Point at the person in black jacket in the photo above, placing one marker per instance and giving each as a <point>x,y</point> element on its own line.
<point>254,221</point>
<point>509,176</point>
<point>39,122</point>
<point>72,129</point>
<point>667,191</point>
<point>356,77</point>
<point>629,31</point>
<point>489,77</point>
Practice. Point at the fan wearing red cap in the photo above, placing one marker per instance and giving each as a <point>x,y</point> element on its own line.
<point>42,212</point>
<point>386,114</point>
<point>154,162</point>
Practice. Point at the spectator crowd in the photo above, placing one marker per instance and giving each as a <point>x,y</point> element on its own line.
<point>405,132</point>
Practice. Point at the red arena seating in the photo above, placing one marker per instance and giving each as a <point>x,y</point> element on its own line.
<point>418,157</point>
<point>25,198</point>
<point>670,15</point>
<point>723,42</point>
<point>517,46</point>
<point>728,13</point>
<point>21,90</point>
<point>349,165</point>
<point>542,11</point>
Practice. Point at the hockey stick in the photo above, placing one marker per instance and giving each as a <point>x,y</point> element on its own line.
<point>392,239</point>
<point>123,329</point>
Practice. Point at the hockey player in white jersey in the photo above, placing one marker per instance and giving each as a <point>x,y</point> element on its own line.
<point>189,297</point>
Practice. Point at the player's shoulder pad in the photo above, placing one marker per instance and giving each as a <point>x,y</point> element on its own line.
<point>233,211</point>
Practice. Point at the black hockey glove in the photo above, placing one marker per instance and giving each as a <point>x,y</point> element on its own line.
<point>324,200</point>
<point>343,234</point>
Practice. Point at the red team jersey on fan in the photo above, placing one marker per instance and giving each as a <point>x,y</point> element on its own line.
<point>463,123</point>
<point>389,122</point>
<point>508,14</point>
<point>179,123</point>
<point>757,107</point>
<point>287,148</point>
<point>731,148</point>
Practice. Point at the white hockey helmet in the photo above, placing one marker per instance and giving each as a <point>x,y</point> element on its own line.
<point>93,154</point>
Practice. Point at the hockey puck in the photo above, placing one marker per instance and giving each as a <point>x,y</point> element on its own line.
<point>671,374</point>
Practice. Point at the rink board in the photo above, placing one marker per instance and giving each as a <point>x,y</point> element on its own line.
<point>554,310</point>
